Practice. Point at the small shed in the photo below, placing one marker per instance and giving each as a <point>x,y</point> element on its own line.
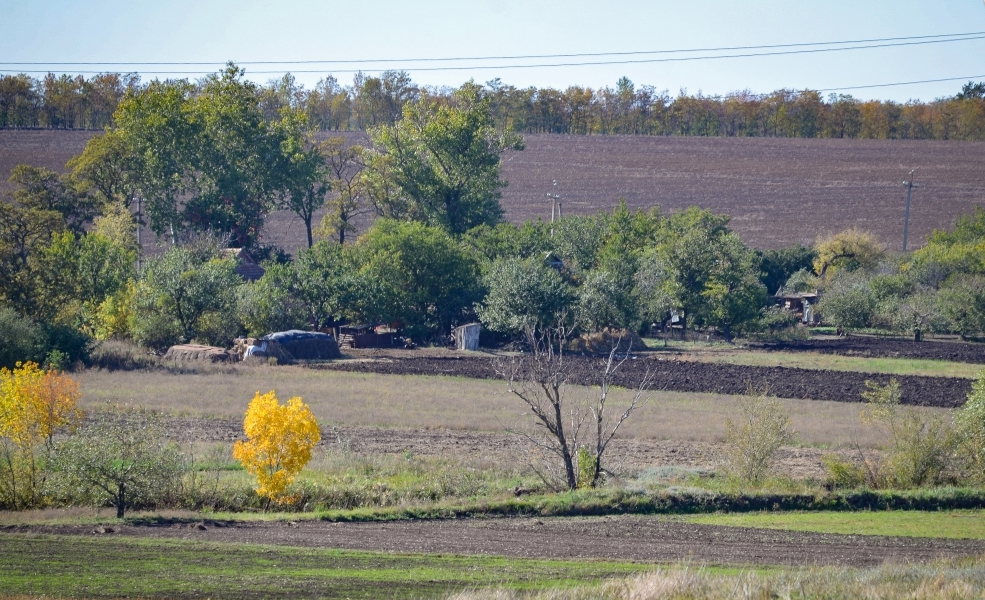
<point>803,304</point>
<point>246,267</point>
<point>367,336</point>
<point>467,336</point>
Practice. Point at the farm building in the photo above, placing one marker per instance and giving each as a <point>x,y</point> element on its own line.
<point>246,267</point>
<point>801,303</point>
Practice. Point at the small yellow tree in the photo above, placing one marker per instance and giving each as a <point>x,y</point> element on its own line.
<point>280,438</point>
<point>34,405</point>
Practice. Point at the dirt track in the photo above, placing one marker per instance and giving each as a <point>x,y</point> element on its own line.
<point>626,537</point>
<point>888,348</point>
<point>683,376</point>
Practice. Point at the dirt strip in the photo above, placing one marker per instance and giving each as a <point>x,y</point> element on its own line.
<point>689,376</point>
<point>625,537</point>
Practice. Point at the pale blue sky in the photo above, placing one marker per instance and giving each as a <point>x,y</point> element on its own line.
<point>200,30</point>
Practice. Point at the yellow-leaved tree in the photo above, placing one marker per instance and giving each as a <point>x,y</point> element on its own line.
<point>34,405</point>
<point>280,438</point>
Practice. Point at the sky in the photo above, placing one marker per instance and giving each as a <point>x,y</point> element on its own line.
<point>112,31</point>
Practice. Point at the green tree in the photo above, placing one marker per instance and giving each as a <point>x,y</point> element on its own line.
<point>523,294</point>
<point>41,189</point>
<point>417,275</point>
<point>306,178</point>
<point>444,160</point>
<point>344,163</point>
<point>184,296</point>
<point>321,286</point>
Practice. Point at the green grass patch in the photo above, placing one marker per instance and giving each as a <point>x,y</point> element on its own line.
<point>955,524</point>
<point>106,567</point>
<point>836,362</point>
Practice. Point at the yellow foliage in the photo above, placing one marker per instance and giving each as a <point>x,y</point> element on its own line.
<point>117,313</point>
<point>34,404</point>
<point>851,249</point>
<point>280,438</point>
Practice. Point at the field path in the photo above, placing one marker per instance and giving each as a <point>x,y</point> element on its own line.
<point>626,537</point>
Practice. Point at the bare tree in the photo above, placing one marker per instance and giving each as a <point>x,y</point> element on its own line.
<point>573,435</point>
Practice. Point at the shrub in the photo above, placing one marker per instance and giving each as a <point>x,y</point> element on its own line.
<point>21,339</point>
<point>34,405</point>
<point>918,452</point>
<point>279,442</point>
<point>970,424</point>
<point>123,457</point>
<point>753,437</point>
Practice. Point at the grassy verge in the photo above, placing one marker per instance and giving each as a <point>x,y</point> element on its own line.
<point>955,524</point>
<point>72,566</point>
<point>835,362</point>
<point>669,501</point>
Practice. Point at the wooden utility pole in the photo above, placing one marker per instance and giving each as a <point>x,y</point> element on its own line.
<point>909,185</point>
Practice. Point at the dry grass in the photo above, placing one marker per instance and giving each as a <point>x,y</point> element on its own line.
<point>941,580</point>
<point>443,402</point>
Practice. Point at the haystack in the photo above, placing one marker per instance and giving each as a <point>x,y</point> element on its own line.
<point>305,345</point>
<point>198,352</point>
<point>601,342</point>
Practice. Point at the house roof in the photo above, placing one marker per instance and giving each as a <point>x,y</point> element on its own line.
<point>246,267</point>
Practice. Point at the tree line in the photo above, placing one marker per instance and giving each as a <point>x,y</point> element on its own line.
<point>66,102</point>
<point>207,166</point>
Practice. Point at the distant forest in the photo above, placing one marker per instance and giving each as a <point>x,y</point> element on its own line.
<point>66,102</point>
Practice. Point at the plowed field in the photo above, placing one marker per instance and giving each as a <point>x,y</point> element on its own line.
<point>888,348</point>
<point>627,537</point>
<point>684,376</point>
<point>778,191</point>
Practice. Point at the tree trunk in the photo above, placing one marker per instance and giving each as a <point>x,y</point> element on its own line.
<point>121,501</point>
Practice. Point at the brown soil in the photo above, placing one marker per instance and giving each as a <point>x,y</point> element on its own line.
<point>688,376</point>
<point>627,455</point>
<point>887,348</point>
<point>778,191</point>
<point>626,537</point>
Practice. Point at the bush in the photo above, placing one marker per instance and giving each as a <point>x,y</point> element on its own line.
<point>970,424</point>
<point>848,302</point>
<point>752,438</point>
<point>21,340</point>
<point>123,457</point>
<point>919,451</point>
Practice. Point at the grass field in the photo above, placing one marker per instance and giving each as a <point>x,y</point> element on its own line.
<point>834,362</point>
<point>443,402</point>
<point>86,567</point>
<point>955,524</point>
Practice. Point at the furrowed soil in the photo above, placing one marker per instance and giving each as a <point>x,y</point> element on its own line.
<point>887,348</point>
<point>623,537</point>
<point>778,191</point>
<point>687,376</point>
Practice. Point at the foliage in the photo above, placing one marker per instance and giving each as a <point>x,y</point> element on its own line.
<point>753,436</point>
<point>34,406</point>
<point>416,275</point>
<point>919,451</point>
<point>777,266</point>
<point>962,302</point>
<point>21,340</point>
<point>443,161</point>
<point>122,457</point>
<point>179,292</point>
<point>344,164</point>
<point>849,250</point>
<point>320,287</point>
<point>848,301</point>
<point>280,438</point>
<point>970,425</point>
<point>522,294</point>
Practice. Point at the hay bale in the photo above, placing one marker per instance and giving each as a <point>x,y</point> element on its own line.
<point>198,352</point>
<point>305,345</point>
<point>601,342</point>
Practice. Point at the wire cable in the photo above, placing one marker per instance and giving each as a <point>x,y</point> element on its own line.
<point>931,39</point>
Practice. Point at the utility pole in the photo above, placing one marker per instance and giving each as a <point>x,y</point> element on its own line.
<point>140,247</point>
<point>555,205</point>
<point>909,185</point>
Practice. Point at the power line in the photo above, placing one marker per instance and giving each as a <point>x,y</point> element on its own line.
<point>878,85</point>
<point>975,36</point>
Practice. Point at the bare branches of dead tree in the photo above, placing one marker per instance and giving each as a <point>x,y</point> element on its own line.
<point>572,433</point>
